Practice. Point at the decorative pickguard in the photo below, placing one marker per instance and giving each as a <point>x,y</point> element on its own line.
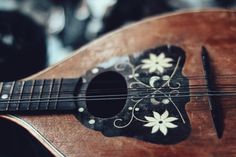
<point>157,93</point>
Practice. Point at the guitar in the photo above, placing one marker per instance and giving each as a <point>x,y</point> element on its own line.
<point>164,86</point>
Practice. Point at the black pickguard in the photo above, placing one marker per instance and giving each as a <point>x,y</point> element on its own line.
<point>157,73</point>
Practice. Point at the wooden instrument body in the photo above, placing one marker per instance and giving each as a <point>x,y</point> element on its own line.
<point>65,135</point>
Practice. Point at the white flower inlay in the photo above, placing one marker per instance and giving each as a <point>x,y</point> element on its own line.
<point>155,62</point>
<point>160,122</point>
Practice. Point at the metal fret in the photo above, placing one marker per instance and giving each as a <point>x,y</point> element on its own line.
<point>41,95</point>
<point>31,94</point>
<point>10,95</point>
<point>58,94</point>
<point>16,96</point>
<point>41,84</point>
<point>20,95</point>
<point>50,92</point>
<point>36,94</point>
<point>1,84</point>
<point>1,88</point>
<point>47,85</point>
<point>67,90</point>
<point>6,86</point>
<point>54,94</point>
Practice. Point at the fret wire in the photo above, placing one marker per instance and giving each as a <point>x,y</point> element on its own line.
<point>50,92</point>
<point>1,84</point>
<point>31,94</point>
<point>20,96</point>
<point>40,93</point>
<point>10,94</point>
<point>1,90</point>
<point>58,94</point>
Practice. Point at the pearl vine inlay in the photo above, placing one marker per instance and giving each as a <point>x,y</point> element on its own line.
<point>154,65</point>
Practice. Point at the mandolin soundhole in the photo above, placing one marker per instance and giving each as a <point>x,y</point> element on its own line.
<point>106,94</point>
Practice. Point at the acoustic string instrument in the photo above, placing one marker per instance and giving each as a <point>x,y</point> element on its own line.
<point>164,86</point>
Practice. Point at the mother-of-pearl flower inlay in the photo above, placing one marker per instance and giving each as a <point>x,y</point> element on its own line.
<point>160,122</point>
<point>156,63</point>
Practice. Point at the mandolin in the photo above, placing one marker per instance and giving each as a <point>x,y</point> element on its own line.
<point>164,86</point>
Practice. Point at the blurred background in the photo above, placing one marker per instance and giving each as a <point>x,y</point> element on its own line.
<point>36,34</point>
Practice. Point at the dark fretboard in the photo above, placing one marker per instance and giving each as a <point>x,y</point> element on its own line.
<point>38,95</point>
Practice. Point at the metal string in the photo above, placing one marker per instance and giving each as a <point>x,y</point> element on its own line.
<point>145,92</point>
<point>138,89</point>
<point>116,97</point>
<point>202,106</point>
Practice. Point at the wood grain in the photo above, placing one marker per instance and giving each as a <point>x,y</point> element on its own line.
<point>214,29</point>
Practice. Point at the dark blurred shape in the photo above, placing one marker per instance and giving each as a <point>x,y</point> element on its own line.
<point>71,24</point>
<point>73,32</point>
<point>133,10</point>
<point>22,46</point>
<point>226,3</point>
<point>17,142</point>
<point>22,53</point>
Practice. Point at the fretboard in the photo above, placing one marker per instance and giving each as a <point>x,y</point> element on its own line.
<point>38,95</point>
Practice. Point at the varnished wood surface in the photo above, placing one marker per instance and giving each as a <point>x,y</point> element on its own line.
<point>214,29</point>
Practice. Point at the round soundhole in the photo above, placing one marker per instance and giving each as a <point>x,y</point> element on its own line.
<point>106,94</point>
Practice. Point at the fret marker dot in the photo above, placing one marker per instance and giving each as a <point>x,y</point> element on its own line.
<point>136,109</point>
<point>95,70</point>
<point>4,96</point>
<point>84,80</point>
<point>81,109</point>
<point>91,121</point>
<point>130,108</point>
<point>165,101</point>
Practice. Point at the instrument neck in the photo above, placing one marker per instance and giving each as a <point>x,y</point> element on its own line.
<point>37,95</point>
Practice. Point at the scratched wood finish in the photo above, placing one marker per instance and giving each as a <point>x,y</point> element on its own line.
<point>214,29</point>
